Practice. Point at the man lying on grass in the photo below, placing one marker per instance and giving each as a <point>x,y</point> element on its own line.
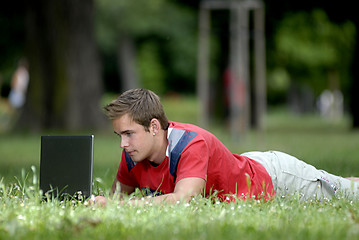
<point>173,161</point>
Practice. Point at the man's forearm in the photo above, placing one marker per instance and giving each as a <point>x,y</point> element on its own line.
<point>166,198</point>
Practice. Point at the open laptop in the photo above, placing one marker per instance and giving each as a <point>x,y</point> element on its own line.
<point>66,166</point>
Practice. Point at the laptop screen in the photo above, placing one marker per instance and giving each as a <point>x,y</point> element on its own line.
<point>66,165</point>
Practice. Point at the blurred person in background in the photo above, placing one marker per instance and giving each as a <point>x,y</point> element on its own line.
<point>19,83</point>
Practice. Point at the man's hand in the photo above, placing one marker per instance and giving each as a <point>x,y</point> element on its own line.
<point>100,201</point>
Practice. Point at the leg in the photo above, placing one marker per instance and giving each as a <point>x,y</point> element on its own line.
<point>291,175</point>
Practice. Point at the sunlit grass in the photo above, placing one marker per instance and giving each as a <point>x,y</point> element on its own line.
<point>24,215</point>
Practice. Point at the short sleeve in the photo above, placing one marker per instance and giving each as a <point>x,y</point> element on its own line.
<point>194,161</point>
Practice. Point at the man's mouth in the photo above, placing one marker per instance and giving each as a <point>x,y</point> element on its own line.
<point>130,152</point>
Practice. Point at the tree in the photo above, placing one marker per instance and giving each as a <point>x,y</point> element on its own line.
<point>154,42</point>
<point>65,81</point>
<point>315,51</point>
<point>354,88</point>
<point>11,38</point>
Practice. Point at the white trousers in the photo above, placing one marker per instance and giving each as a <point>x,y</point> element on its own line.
<point>293,176</point>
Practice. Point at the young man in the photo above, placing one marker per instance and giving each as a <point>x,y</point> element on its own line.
<point>173,161</point>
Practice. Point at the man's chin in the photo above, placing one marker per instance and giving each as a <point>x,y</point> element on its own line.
<point>135,159</point>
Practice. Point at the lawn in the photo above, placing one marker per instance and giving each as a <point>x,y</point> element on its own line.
<point>330,146</point>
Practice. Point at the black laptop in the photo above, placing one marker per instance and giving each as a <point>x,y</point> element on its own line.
<point>66,166</point>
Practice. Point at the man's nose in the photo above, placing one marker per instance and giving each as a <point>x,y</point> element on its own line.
<point>124,142</point>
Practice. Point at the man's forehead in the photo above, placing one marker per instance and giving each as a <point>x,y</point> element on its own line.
<point>125,123</point>
<point>124,119</point>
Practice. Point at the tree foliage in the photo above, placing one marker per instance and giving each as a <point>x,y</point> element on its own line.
<point>310,48</point>
<point>12,36</point>
<point>164,35</point>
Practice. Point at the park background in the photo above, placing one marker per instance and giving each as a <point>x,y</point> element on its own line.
<point>83,53</point>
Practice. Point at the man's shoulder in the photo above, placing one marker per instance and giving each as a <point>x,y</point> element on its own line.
<point>187,127</point>
<point>180,135</point>
<point>191,134</point>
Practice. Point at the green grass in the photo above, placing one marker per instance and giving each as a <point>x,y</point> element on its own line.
<point>330,146</point>
<point>24,216</point>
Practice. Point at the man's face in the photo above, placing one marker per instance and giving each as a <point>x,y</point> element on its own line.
<point>134,139</point>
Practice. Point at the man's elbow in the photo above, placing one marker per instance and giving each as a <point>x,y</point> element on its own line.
<point>186,197</point>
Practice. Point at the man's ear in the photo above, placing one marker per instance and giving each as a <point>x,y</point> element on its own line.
<point>155,125</point>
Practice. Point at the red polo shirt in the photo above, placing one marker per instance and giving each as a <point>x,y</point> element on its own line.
<point>194,152</point>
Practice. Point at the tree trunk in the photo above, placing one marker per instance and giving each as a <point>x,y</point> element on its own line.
<point>126,58</point>
<point>354,98</point>
<point>354,88</point>
<point>65,84</point>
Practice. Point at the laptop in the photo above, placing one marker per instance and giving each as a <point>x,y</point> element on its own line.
<point>66,165</point>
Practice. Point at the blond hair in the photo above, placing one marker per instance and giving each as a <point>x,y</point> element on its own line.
<point>142,105</point>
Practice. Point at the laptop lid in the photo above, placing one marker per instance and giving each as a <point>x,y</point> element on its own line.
<point>66,165</point>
